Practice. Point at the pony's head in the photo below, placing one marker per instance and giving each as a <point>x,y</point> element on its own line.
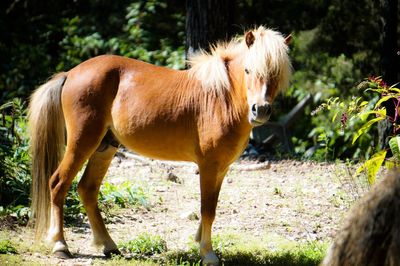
<point>267,70</point>
<point>261,56</point>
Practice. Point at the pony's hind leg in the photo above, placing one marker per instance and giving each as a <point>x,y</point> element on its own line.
<point>60,183</point>
<point>81,144</point>
<point>88,189</point>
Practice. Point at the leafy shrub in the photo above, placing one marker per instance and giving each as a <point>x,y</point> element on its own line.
<point>123,195</point>
<point>15,179</point>
<point>74,210</point>
<point>364,113</point>
<point>111,196</point>
<point>323,76</point>
<point>6,247</point>
<point>144,245</point>
<point>144,35</point>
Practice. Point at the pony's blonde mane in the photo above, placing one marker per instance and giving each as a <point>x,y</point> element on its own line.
<point>267,57</point>
<point>211,69</point>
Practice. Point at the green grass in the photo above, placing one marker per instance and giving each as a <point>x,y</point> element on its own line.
<point>144,246</point>
<point>7,259</point>
<point>232,249</point>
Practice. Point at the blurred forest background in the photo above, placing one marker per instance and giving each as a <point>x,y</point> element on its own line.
<point>336,45</point>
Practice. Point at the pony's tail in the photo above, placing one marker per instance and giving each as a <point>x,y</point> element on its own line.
<point>47,129</point>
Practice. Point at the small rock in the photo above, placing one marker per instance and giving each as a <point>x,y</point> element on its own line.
<point>229,180</point>
<point>192,216</point>
<point>234,211</point>
<point>161,189</point>
<point>173,178</point>
<point>262,158</point>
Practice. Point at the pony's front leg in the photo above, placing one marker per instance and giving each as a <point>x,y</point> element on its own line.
<point>211,177</point>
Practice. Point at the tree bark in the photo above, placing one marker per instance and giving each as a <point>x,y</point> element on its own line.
<point>390,56</point>
<point>389,62</point>
<point>208,21</point>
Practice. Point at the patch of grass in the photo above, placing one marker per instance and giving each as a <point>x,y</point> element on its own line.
<point>120,261</point>
<point>144,246</point>
<point>278,191</point>
<point>11,259</point>
<point>234,249</point>
<point>6,247</point>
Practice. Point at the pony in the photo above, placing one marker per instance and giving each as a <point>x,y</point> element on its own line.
<point>202,115</point>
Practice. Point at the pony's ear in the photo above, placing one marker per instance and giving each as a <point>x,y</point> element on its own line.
<point>288,39</point>
<point>249,37</point>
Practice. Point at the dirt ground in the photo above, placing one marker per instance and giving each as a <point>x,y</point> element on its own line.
<point>296,200</point>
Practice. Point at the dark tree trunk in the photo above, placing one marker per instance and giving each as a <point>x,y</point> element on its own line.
<point>208,21</point>
<point>389,61</point>
<point>390,56</point>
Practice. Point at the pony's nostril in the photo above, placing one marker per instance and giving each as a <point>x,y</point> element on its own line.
<point>268,109</point>
<point>254,109</point>
<point>264,110</point>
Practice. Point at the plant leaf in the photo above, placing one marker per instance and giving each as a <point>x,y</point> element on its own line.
<point>394,144</point>
<point>380,112</point>
<point>334,116</point>
<point>372,166</point>
<point>366,127</point>
<point>384,99</point>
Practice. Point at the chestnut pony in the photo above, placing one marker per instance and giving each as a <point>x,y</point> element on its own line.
<point>202,115</point>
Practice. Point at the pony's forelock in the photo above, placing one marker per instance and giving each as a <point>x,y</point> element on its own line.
<point>267,57</point>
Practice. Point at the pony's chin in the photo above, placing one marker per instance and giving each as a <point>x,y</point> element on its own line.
<point>257,123</point>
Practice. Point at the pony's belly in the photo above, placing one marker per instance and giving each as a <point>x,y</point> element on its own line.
<point>160,144</point>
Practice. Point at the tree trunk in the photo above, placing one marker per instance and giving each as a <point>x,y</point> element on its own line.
<point>208,21</point>
<point>389,61</point>
<point>390,57</point>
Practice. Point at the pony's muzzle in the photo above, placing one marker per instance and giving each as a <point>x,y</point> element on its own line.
<point>260,114</point>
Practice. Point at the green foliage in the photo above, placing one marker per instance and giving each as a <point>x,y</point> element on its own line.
<point>39,38</point>
<point>395,147</point>
<point>6,247</point>
<point>143,35</point>
<point>335,127</point>
<point>15,177</point>
<point>123,195</point>
<point>358,117</point>
<point>74,209</point>
<point>144,245</point>
<point>323,76</point>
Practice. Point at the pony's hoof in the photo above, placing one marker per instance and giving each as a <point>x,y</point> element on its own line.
<point>210,259</point>
<point>63,254</point>
<point>113,252</point>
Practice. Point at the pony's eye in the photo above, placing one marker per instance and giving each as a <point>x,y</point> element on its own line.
<point>246,71</point>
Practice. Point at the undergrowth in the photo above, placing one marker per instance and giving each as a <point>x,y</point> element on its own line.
<point>111,197</point>
<point>7,247</point>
